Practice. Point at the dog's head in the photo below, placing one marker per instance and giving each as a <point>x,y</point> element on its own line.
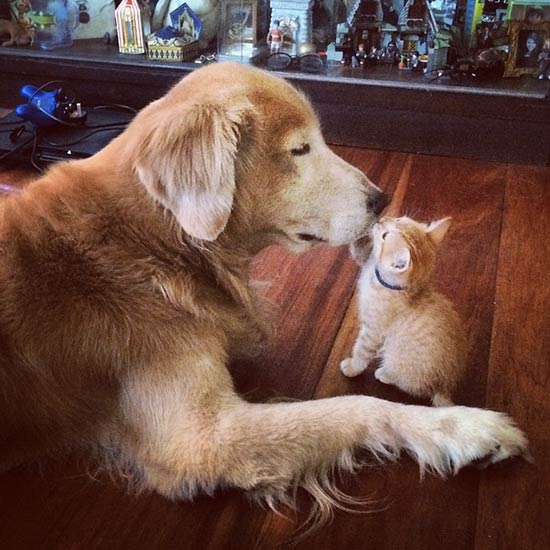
<point>235,150</point>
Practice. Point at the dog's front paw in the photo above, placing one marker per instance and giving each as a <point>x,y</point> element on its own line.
<point>350,369</point>
<point>509,440</point>
<point>477,434</point>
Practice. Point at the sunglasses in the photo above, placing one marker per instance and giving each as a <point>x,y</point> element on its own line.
<point>308,63</point>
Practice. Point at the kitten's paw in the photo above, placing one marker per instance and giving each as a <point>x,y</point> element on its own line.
<point>382,375</point>
<point>350,369</point>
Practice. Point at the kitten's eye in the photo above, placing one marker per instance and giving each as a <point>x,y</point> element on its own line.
<point>299,151</point>
<point>383,236</point>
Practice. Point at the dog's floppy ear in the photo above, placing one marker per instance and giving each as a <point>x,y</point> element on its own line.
<point>187,162</point>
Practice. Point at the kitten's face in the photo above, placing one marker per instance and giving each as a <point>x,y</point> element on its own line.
<point>405,249</point>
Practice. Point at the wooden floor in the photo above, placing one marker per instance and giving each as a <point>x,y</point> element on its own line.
<point>495,265</point>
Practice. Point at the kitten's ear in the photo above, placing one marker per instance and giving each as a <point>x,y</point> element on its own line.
<point>401,260</point>
<point>437,230</point>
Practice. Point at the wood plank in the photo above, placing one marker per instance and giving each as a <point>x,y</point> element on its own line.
<point>432,514</point>
<point>514,504</point>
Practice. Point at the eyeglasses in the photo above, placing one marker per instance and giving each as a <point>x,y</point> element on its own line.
<point>309,62</point>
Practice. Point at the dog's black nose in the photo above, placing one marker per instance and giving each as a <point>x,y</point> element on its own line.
<point>377,201</point>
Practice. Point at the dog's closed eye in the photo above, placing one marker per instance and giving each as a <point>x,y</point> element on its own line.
<point>299,151</point>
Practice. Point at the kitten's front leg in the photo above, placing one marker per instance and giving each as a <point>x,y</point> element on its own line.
<point>364,351</point>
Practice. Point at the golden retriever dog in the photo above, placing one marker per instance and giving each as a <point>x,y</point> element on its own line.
<point>124,290</point>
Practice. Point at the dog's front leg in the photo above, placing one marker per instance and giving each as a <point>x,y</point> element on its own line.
<point>277,445</point>
<point>187,430</point>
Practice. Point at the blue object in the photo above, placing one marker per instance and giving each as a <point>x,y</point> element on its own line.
<point>186,21</point>
<point>40,107</point>
<point>167,33</point>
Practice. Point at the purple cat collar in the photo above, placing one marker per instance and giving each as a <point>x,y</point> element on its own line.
<point>383,283</point>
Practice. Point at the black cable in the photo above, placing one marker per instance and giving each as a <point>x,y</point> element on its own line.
<point>73,100</point>
<point>53,144</point>
<point>10,130</point>
<point>39,89</point>
<point>33,152</point>
<point>17,148</point>
<point>12,123</point>
<point>38,136</point>
<point>78,124</point>
<point>120,124</point>
<point>115,106</point>
<point>58,120</point>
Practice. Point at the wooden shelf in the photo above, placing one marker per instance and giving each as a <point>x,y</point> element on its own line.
<point>505,120</point>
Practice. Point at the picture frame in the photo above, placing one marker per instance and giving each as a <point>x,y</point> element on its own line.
<point>523,10</point>
<point>526,42</point>
<point>241,21</point>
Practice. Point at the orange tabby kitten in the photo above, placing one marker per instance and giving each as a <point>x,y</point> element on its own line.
<point>414,329</point>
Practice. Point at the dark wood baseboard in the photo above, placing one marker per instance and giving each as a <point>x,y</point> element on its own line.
<point>505,120</point>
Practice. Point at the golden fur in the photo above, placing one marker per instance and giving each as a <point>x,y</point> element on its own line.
<point>124,289</point>
<point>415,330</point>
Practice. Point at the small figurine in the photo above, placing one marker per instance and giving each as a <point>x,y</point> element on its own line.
<point>544,61</point>
<point>275,37</point>
<point>361,55</point>
<point>414,63</point>
<point>20,35</point>
<point>390,55</point>
<point>484,38</point>
<point>373,57</point>
<point>347,50</point>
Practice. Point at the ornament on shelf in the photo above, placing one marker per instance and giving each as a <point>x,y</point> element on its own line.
<point>132,23</point>
<point>186,21</point>
<point>207,10</point>
<point>178,41</point>
<point>168,44</point>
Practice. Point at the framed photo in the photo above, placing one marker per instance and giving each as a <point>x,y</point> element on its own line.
<point>241,20</point>
<point>526,44</point>
<point>528,10</point>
